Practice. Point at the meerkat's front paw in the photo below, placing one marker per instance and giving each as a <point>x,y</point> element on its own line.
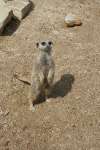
<point>48,100</point>
<point>32,108</point>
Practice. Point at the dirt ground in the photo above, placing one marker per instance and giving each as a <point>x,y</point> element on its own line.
<point>71,121</point>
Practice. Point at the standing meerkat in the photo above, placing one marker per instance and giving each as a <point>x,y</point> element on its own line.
<point>42,73</point>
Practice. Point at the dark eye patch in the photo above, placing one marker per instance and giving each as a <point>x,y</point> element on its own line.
<point>43,43</point>
<point>50,43</point>
<point>37,44</point>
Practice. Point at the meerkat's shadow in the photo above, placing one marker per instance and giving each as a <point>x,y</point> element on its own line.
<point>40,99</point>
<point>60,89</point>
<point>63,86</point>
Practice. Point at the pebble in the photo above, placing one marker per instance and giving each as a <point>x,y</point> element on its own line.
<point>72,20</point>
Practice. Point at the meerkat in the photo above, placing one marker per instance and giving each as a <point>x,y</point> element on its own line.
<point>42,73</point>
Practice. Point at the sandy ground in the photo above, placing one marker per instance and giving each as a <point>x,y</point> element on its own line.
<point>71,121</point>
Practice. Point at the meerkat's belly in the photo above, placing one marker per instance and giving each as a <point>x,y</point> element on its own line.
<point>45,70</point>
<point>45,73</point>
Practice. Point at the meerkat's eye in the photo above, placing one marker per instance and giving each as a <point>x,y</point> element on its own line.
<point>50,43</point>
<point>43,43</point>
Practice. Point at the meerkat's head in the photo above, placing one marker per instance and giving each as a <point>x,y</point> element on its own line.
<point>45,46</point>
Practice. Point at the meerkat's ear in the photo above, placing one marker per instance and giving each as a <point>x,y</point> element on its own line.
<point>37,44</point>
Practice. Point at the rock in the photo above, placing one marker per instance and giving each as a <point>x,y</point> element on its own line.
<point>20,8</point>
<point>7,0</point>
<point>72,20</point>
<point>2,2</point>
<point>5,17</point>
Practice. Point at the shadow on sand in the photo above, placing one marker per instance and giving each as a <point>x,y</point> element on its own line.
<point>63,86</point>
<point>60,89</point>
<point>13,25</point>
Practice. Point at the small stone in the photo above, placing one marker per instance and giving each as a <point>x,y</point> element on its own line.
<point>1,112</point>
<point>7,143</point>
<point>72,20</point>
<point>74,126</point>
<point>20,8</point>
<point>6,113</point>
<point>5,17</point>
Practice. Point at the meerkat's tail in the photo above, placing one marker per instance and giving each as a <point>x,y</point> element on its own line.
<point>22,80</point>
